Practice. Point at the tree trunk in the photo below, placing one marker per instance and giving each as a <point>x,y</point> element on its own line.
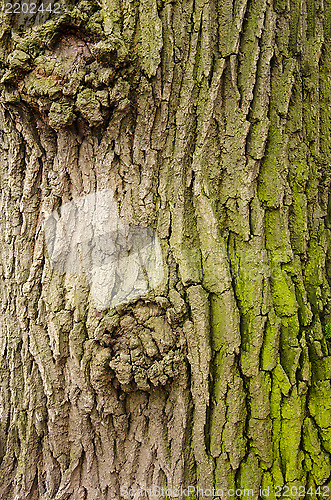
<point>208,123</point>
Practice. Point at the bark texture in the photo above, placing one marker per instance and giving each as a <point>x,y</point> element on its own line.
<point>210,122</point>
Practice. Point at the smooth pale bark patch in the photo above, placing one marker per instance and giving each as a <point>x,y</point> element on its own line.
<point>210,125</point>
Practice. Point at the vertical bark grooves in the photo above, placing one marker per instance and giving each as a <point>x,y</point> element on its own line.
<point>209,122</point>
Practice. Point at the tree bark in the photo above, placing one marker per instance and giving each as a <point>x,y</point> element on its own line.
<point>209,122</point>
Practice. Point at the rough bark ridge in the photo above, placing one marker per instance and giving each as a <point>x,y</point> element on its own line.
<point>209,121</point>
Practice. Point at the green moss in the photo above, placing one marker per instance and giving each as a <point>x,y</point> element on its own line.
<point>270,183</point>
<point>61,115</point>
<point>314,269</point>
<point>218,408</point>
<point>249,477</point>
<point>248,266</point>
<point>258,134</point>
<point>311,18</point>
<point>298,221</point>
<point>282,86</point>
<point>277,236</point>
<point>305,365</point>
<point>292,456</point>
<point>224,322</point>
<point>294,269</point>
<point>283,293</point>
<point>77,337</point>
<point>327,330</point>
<point>294,26</point>
<point>290,349</point>
<point>224,473</point>
<point>150,37</point>
<point>269,353</point>
<point>318,461</point>
<point>112,16</point>
<point>89,106</point>
<point>259,390</point>
<point>316,330</point>
<point>22,424</point>
<point>37,86</point>
<point>320,409</point>
<point>19,60</point>
<point>283,384</point>
<point>252,328</point>
<point>35,41</point>
<point>299,170</point>
<point>267,487</point>
<point>325,90</point>
<point>112,51</point>
<point>313,182</point>
<point>280,5</point>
